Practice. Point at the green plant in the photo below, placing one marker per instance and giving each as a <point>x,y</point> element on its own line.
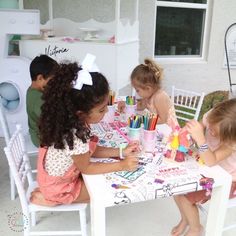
<point>211,99</point>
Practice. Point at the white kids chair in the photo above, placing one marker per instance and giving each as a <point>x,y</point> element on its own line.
<point>20,167</point>
<point>30,148</point>
<point>231,204</point>
<point>187,103</point>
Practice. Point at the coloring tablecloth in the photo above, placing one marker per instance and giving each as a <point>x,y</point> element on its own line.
<point>156,176</point>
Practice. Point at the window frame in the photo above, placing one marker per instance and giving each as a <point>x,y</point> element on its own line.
<point>179,59</point>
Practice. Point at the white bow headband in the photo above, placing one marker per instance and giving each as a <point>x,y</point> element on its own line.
<point>84,77</point>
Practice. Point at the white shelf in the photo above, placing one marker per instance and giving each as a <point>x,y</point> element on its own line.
<point>115,59</point>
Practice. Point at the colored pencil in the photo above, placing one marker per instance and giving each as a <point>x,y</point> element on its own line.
<point>150,121</point>
<point>111,100</point>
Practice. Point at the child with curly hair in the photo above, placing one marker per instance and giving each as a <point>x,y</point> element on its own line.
<point>73,100</point>
<point>216,139</point>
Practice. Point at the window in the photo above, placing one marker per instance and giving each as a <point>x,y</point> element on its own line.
<point>180,28</point>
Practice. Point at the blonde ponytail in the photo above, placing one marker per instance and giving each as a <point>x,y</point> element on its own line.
<point>148,74</point>
<point>155,68</point>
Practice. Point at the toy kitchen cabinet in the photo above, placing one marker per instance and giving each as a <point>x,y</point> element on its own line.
<point>107,29</point>
<point>15,78</point>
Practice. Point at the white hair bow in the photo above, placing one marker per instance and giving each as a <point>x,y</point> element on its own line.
<point>84,77</point>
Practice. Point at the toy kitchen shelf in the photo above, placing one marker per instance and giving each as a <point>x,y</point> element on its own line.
<point>112,38</point>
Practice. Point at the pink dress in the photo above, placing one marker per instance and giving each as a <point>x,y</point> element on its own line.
<point>56,190</point>
<point>229,164</point>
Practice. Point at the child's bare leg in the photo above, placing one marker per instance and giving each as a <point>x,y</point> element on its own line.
<point>181,226</point>
<point>84,195</point>
<point>192,215</point>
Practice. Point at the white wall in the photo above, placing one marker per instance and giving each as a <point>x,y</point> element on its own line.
<point>207,76</point>
<point>147,17</point>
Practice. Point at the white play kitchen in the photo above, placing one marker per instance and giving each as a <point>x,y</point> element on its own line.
<point>70,29</point>
<point>15,77</point>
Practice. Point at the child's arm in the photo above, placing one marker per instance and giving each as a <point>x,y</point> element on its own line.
<point>210,158</point>
<point>83,163</point>
<point>162,106</point>
<point>106,152</point>
<point>141,104</point>
<point>121,106</point>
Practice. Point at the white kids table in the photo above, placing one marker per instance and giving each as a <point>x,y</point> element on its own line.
<point>155,178</point>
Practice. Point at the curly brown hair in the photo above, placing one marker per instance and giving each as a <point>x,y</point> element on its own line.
<point>59,120</point>
<point>148,74</point>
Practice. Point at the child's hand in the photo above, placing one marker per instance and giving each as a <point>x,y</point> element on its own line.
<point>129,163</point>
<point>196,130</point>
<point>131,150</point>
<point>141,104</point>
<point>121,106</point>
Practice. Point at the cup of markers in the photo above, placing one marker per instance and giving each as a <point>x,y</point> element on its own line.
<point>130,106</point>
<point>149,135</point>
<point>110,115</point>
<point>134,127</point>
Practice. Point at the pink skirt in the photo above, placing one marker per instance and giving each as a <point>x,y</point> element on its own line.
<point>56,190</point>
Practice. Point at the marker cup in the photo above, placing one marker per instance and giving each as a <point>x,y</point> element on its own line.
<point>134,134</point>
<point>149,140</point>
<point>110,115</point>
<point>130,110</point>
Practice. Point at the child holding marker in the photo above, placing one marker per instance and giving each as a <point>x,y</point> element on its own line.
<point>146,79</point>
<point>216,141</point>
<point>74,99</point>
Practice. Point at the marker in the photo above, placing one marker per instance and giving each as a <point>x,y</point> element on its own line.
<point>159,181</point>
<point>119,186</point>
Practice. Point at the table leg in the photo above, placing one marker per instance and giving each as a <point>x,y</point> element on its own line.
<point>218,208</point>
<point>98,219</point>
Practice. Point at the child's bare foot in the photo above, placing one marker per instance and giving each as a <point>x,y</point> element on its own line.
<point>195,232</point>
<point>179,228</point>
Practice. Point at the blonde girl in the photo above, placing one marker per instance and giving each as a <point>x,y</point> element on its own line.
<point>146,79</point>
<point>216,139</point>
